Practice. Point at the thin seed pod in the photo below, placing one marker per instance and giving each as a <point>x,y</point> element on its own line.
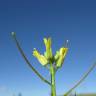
<point>81,80</point>
<point>27,61</point>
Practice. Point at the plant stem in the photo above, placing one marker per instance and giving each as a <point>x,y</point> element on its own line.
<point>53,87</point>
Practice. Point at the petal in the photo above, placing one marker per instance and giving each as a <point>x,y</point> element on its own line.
<point>59,62</point>
<point>40,57</point>
<point>48,53</point>
<point>43,60</point>
<point>36,53</point>
<point>49,43</point>
<point>45,41</point>
<point>57,55</point>
<point>62,53</point>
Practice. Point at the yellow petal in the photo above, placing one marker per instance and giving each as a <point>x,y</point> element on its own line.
<point>62,53</point>
<point>45,41</point>
<point>36,53</point>
<point>49,43</point>
<point>56,55</point>
<point>40,57</point>
<point>48,52</point>
<point>43,60</point>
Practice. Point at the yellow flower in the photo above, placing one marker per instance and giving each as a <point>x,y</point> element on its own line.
<point>48,53</point>
<point>60,56</point>
<point>42,59</point>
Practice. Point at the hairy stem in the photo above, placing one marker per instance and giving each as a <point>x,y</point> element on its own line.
<point>81,80</point>
<point>28,63</point>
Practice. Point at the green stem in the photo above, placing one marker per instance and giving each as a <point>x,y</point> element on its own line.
<point>53,87</point>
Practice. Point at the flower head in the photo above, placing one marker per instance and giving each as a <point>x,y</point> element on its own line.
<point>42,59</point>
<point>48,57</point>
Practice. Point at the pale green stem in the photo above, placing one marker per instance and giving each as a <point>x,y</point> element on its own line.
<point>28,63</point>
<point>53,86</point>
<point>81,80</point>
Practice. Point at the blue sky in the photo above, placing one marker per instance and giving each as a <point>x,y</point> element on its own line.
<point>32,20</point>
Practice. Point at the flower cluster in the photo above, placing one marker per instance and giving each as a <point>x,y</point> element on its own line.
<point>48,57</point>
